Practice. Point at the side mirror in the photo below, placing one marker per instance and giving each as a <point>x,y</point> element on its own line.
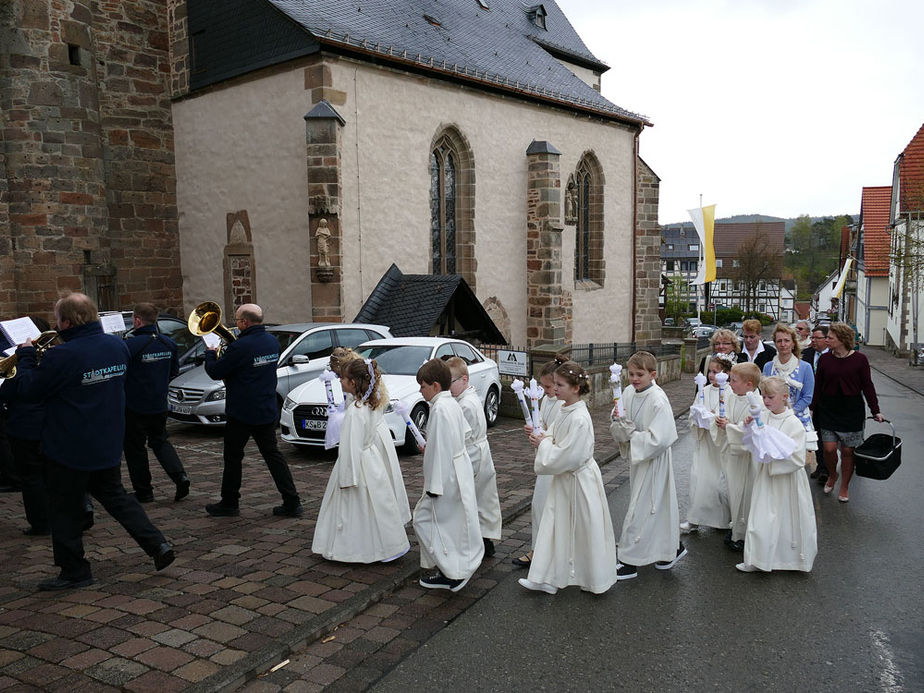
<point>299,359</point>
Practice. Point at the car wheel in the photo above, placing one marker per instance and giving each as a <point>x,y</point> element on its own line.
<point>491,406</point>
<point>419,415</point>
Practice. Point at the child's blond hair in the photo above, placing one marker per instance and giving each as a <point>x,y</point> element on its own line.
<point>457,367</point>
<point>643,360</point>
<point>748,372</point>
<point>775,385</point>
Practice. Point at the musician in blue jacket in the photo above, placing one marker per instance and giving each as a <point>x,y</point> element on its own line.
<point>248,367</point>
<point>153,364</point>
<point>82,384</point>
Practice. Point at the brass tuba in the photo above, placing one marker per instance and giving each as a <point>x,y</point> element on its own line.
<point>42,343</point>
<point>206,318</point>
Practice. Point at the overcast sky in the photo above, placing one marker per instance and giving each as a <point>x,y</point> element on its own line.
<point>780,107</point>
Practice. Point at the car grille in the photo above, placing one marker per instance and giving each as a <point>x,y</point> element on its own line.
<point>310,412</point>
<point>185,395</point>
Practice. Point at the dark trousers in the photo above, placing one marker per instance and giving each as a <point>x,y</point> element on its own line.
<point>8,475</point>
<point>31,468</point>
<point>66,490</point>
<point>237,434</point>
<point>150,429</point>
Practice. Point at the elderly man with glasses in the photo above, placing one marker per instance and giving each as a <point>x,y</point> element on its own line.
<point>805,334</point>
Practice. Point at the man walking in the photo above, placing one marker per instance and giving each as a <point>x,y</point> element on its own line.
<point>82,383</point>
<point>248,367</point>
<point>153,363</point>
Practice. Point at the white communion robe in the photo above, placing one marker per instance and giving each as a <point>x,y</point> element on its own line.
<point>387,449</point>
<point>708,487</point>
<point>740,466</point>
<point>359,520</point>
<point>479,452</point>
<point>651,529</point>
<point>548,411</point>
<point>781,532</point>
<point>446,516</point>
<point>576,544</point>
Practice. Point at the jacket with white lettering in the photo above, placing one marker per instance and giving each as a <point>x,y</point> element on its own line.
<point>82,383</point>
<point>153,363</point>
<point>248,367</point>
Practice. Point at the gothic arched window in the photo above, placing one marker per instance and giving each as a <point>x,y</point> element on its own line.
<point>589,265</point>
<point>452,206</point>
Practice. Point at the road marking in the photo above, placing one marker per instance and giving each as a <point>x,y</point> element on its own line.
<point>890,676</point>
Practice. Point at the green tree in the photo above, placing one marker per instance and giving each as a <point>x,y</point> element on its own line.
<point>756,263</point>
<point>677,297</point>
<point>815,251</point>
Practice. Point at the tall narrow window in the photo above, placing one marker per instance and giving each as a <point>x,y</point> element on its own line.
<point>452,205</point>
<point>588,245</point>
<point>443,209</point>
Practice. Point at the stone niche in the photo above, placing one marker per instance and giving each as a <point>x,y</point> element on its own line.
<point>240,272</point>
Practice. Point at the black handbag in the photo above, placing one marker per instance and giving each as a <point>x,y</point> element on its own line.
<point>879,455</point>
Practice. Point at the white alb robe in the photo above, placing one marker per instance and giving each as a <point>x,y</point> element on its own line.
<point>781,526</point>
<point>479,452</point>
<point>576,544</point>
<point>387,449</point>
<point>359,520</point>
<point>740,467</point>
<point>446,516</point>
<point>548,411</point>
<point>708,487</point>
<point>651,528</point>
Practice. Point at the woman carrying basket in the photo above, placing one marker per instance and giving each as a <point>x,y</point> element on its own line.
<point>841,382</point>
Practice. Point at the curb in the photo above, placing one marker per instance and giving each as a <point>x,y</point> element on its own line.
<point>896,380</point>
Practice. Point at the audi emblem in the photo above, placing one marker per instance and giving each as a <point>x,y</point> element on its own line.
<point>320,411</point>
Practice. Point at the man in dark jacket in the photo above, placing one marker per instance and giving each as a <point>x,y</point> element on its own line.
<point>819,346</point>
<point>82,383</point>
<point>153,363</point>
<point>248,367</point>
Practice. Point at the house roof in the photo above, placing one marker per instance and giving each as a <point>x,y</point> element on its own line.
<point>803,309</point>
<point>875,207</point>
<point>502,48</point>
<point>728,236</point>
<point>911,174</point>
<point>412,305</point>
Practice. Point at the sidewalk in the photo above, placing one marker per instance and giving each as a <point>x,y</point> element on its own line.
<point>245,593</point>
<point>896,369</point>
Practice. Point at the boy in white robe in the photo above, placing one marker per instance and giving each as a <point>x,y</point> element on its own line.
<point>781,532</point>
<point>446,516</point>
<point>651,528</point>
<point>740,467</point>
<point>479,452</point>
<point>576,544</point>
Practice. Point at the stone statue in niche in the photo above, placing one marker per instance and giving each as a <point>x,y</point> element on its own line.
<point>323,237</point>
<point>571,201</point>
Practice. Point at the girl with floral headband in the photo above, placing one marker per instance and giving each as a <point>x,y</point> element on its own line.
<point>360,520</point>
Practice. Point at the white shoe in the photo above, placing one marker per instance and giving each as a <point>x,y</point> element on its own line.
<point>686,527</point>
<point>746,568</point>
<point>537,586</point>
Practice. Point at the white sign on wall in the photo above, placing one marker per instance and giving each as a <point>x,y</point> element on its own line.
<point>512,362</point>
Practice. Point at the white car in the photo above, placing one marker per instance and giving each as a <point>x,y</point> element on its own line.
<point>304,414</point>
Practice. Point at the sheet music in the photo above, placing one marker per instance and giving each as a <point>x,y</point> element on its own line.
<point>112,322</point>
<point>19,330</point>
<point>211,340</point>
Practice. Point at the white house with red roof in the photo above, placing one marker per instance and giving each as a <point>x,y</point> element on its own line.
<point>872,255</point>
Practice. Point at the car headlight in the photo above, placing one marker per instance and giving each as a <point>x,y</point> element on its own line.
<point>216,396</point>
<point>289,404</point>
<point>391,406</point>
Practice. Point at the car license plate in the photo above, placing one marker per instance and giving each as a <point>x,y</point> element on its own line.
<point>314,425</point>
<point>180,409</point>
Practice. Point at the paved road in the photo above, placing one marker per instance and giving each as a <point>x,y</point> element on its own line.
<point>853,624</point>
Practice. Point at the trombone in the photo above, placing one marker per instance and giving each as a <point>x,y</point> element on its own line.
<point>206,318</point>
<point>42,343</point>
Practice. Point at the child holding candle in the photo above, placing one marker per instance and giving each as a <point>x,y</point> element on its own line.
<point>359,520</point>
<point>781,533</point>
<point>576,544</point>
<point>479,452</point>
<point>446,516</point>
<point>651,529</point>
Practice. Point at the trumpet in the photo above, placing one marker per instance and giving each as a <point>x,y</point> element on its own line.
<point>206,318</point>
<point>42,343</point>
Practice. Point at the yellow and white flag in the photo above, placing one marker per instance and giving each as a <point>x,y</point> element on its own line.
<point>704,223</point>
<point>843,278</point>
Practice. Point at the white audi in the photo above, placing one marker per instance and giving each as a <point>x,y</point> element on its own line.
<point>304,412</point>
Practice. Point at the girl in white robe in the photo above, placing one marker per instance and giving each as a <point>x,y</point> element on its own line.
<point>360,520</point>
<point>781,532</point>
<point>446,516</point>
<point>576,544</point>
<point>651,528</point>
<point>708,487</point>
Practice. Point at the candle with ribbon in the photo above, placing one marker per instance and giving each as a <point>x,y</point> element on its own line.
<point>326,377</point>
<point>721,380</point>
<point>700,381</point>
<point>755,406</point>
<point>616,383</point>
<point>517,387</point>
<point>405,413</point>
<point>535,392</point>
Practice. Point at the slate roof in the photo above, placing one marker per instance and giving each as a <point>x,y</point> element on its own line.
<point>727,236</point>
<point>500,48</point>
<point>911,174</point>
<point>875,206</point>
<point>410,305</point>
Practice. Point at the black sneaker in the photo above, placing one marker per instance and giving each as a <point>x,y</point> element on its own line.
<point>624,571</point>
<point>62,583</point>
<point>438,581</point>
<point>667,565</point>
<point>222,510</point>
<point>182,488</point>
<point>488,547</point>
<point>286,510</point>
<point>144,497</point>
<point>737,546</point>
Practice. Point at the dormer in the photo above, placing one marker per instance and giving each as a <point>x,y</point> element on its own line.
<point>537,15</point>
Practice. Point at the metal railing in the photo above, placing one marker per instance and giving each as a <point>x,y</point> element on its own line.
<point>592,354</point>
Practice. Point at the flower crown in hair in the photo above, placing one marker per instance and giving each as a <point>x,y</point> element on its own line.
<point>580,374</point>
<point>724,358</point>
<point>368,391</point>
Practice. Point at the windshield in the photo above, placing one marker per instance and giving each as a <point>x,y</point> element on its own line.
<point>397,360</point>
<point>284,338</point>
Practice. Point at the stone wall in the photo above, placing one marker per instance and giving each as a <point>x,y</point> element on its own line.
<point>647,255</point>
<point>89,187</point>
